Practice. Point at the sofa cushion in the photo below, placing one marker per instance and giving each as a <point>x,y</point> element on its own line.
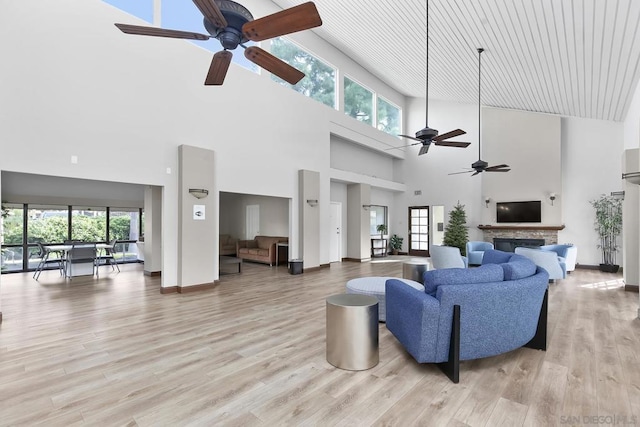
<point>461,276</point>
<point>518,267</point>
<point>265,242</point>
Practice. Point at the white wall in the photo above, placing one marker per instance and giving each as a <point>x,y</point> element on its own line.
<point>32,188</point>
<point>123,104</point>
<point>429,173</point>
<point>591,166</point>
<point>530,144</point>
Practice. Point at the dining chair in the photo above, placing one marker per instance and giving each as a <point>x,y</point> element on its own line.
<point>81,253</point>
<point>46,259</point>
<point>109,255</point>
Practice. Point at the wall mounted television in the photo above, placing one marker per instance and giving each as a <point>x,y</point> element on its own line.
<point>519,211</point>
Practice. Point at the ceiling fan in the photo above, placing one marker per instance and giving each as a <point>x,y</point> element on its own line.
<point>232,24</point>
<point>480,166</point>
<point>427,135</point>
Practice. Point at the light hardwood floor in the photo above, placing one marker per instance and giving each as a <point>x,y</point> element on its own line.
<point>115,351</point>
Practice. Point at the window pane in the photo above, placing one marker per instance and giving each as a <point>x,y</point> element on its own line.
<point>123,225</point>
<point>47,224</point>
<point>388,117</point>
<point>11,258</point>
<point>184,15</point>
<point>358,101</point>
<point>89,224</point>
<point>378,215</point>
<point>143,9</point>
<point>319,82</point>
<point>11,227</point>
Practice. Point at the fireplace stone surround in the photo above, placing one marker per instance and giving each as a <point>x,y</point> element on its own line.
<point>548,234</point>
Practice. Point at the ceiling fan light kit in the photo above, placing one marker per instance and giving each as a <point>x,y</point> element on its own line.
<point>233,25</point>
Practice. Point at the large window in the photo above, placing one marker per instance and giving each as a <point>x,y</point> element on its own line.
<point>23,227</point>
<point>358,101</point>
<point>319,82</point>
<point>388,116</point>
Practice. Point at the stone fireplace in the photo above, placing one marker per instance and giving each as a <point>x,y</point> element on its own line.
<point>527,235</point>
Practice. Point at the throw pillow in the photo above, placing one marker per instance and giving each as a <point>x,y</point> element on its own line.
<point>494,256</point>
<point>518,267</point>
<point>461,276</point>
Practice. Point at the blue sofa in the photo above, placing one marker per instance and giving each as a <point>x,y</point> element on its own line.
<point>468,314</point>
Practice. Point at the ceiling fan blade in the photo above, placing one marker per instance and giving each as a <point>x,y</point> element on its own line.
<point>453,133</point>
<point>410,137</point>
<point>274,65</point>
<point>477,172</point>
<point>497,167</point>
<point>403,146</point>
<point>212,12</point>
<point>288,21</point>
<point>424,149</point>
<point>218,68</point>
<point>458,173</point>
<point>458,144</point>
<point>160,32</point>
<point>497,170</point>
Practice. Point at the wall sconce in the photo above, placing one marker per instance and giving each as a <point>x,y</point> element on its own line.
<point>312,202</point>
<point>486,202</point>
<point>552,197</point>
<point>199,193</point>
<point>366,207</point>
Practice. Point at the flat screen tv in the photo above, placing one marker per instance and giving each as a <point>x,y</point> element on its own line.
<point>519,211</point>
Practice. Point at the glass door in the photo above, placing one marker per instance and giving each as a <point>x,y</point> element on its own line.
<point>419,230</point>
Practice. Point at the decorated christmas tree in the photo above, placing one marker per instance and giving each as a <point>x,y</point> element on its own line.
<point>456,233</point>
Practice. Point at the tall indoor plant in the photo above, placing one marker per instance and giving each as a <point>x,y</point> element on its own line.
<point>608,225</point>
<point>456,232</point>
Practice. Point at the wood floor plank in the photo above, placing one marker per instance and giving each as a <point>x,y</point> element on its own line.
<point>252,352</point>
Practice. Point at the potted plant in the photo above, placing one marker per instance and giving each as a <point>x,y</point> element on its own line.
<point>382,229</point>
<point>608,225</point>
<point>456,232</point>
<point>395,242</point>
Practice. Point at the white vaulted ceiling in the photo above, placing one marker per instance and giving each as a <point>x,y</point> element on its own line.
<point>570,57</point>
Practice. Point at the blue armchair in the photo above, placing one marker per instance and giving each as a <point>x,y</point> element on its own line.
<point>548,260</point>
<point>447,257</point>
<point>475,251</point>
<point>566,253</point>
<point>467,314</point>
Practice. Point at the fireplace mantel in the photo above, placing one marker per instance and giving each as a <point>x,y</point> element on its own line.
<point>521,227</point>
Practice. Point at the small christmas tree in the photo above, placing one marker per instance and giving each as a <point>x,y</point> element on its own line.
<point>456,233</point>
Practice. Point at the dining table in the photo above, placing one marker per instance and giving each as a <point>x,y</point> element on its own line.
<point>63,250</point>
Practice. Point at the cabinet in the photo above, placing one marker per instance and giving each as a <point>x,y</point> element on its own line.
<point>378,247</point>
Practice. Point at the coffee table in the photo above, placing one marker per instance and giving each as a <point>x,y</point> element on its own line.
<point>375,287</point>
<point>226,260</point>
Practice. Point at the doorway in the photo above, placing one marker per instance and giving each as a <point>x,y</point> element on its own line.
<point>335,236</point>
<point>419,230</point>
<point>252,228</point>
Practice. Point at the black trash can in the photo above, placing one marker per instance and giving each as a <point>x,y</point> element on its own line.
<point>295,266</point>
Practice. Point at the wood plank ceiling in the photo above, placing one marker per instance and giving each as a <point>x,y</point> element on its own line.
<point>570,57</point>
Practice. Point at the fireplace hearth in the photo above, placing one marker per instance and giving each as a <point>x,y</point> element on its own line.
<point>509,245</point>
